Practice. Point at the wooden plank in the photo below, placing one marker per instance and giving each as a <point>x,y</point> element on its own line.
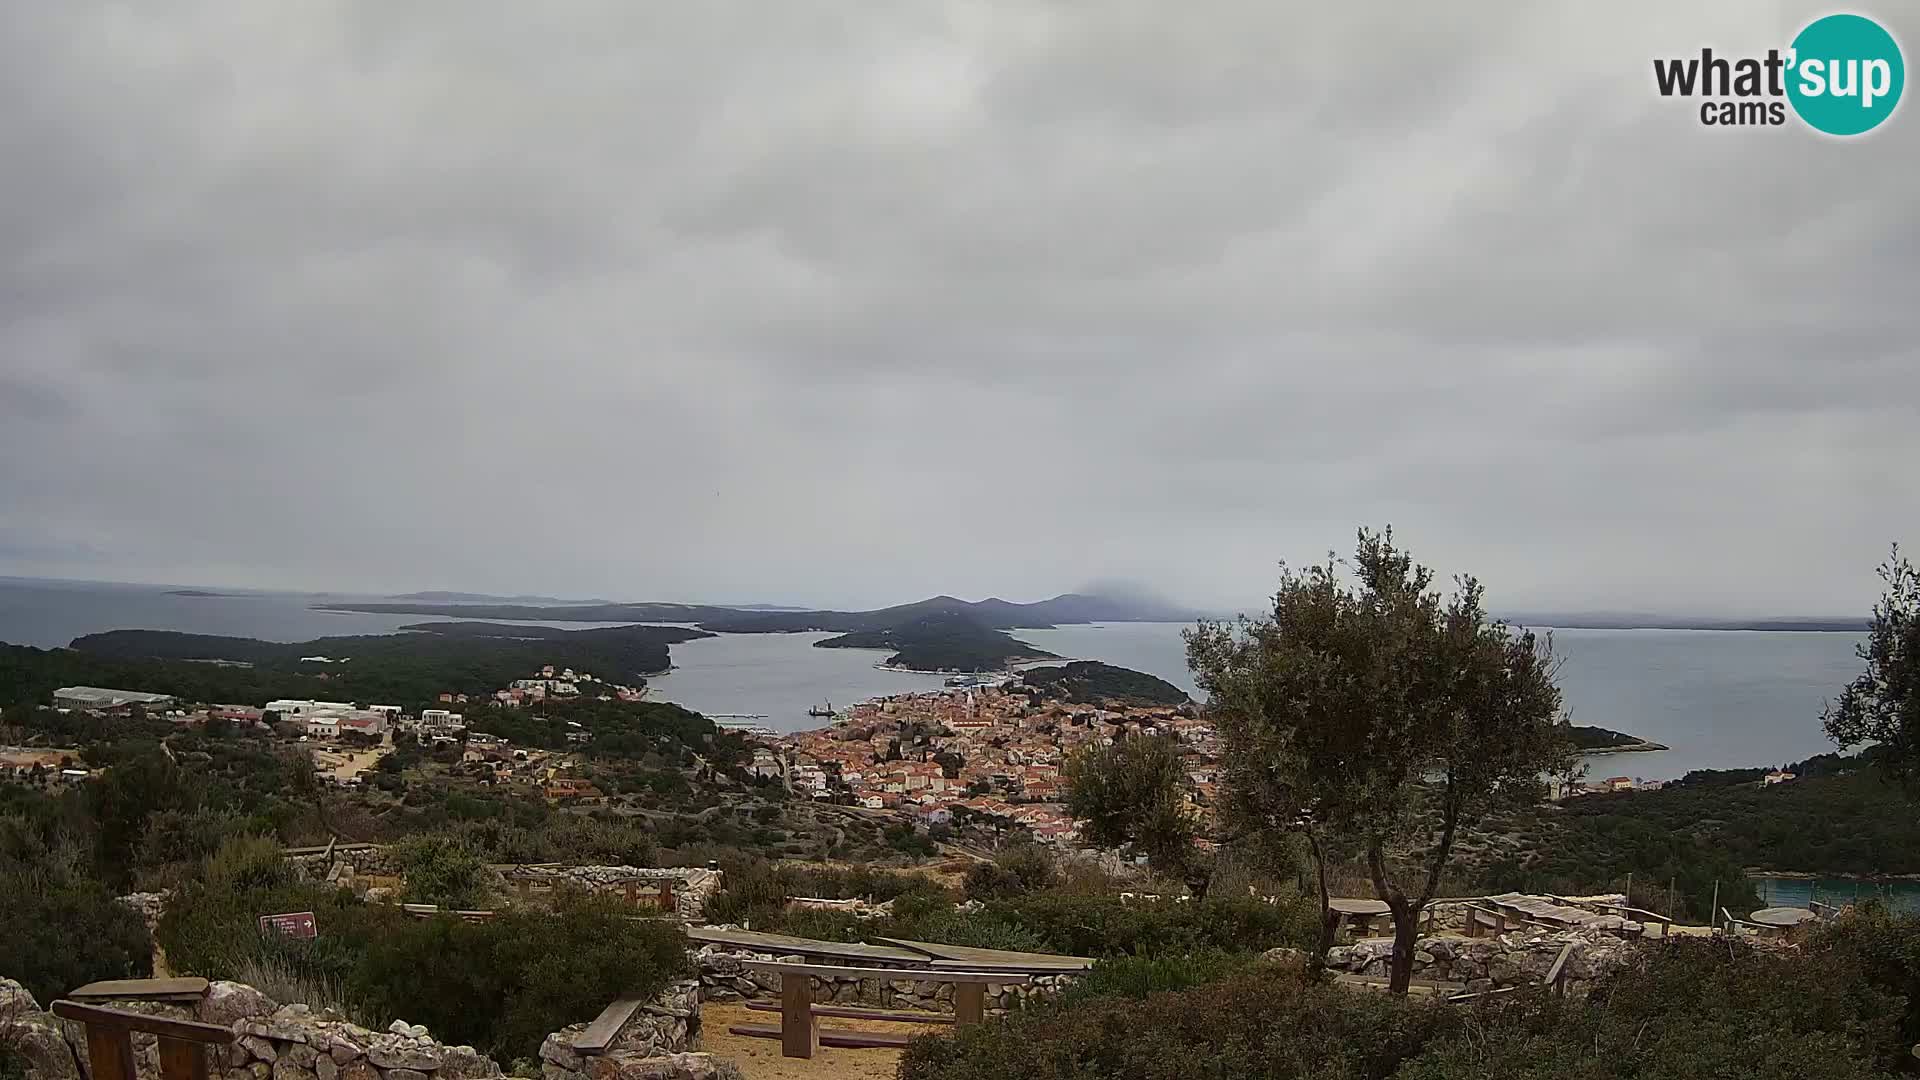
<point>1484,994</point>
<point>847,1012</point>
<point>782,943</point>
<point>915,974</point>
<point>141,988</point>
<point>969,1003</point>
<point>109,1051</point>
<point>957,956</point>
<point>799,1030</point>
<point>834,1037</point>
<point>182,1060</point>
<point>1559,965</point>
<point>600,1033</point>
<point>96,1017</point>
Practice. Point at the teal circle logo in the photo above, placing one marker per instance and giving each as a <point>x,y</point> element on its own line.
<point>1846,74</point>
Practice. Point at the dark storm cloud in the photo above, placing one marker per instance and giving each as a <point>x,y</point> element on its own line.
<point>832,303</point>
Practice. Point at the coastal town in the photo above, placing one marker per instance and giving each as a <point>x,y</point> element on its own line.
<point>986,753</point>
<point>989,754</point>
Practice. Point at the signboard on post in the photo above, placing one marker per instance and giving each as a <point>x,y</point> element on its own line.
<point>296,924</point>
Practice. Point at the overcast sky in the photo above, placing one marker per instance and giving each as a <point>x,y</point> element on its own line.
<point>848,303</point>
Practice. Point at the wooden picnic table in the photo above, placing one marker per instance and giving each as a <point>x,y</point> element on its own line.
<point>800,1033</point>
<point>1360,913</point>
<point>1781,918</point>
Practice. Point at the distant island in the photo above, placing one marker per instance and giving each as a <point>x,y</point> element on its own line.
<point>196,592</point>
<point>942,642</point>
<point>1599,740</point>
<point>993,613</point>
<point>467,598</point>
<point>404,668</point>
<point>1092,681</point>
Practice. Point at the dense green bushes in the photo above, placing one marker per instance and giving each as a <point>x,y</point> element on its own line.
<point>59,930</point>
<point>1105,926</point>
<point>1268,1022</point>
<point>501,985</point>
<point>440,870</point>
<point>1690,1009</point>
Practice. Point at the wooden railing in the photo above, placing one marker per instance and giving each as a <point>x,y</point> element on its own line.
<point>183,1043</point>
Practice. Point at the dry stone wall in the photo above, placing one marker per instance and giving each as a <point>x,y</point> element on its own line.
<point>1521,958</point>
<point>692,886</point>
<point>724,976</point>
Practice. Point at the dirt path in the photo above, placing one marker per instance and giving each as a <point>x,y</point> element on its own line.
<point>759,1059</point>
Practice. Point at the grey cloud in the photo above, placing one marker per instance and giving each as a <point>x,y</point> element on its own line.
<point>829,303</point>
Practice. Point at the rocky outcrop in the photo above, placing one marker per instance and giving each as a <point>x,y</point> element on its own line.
<point>37,1038</point>
<point>149,905</point>
<point>1521,958</point>
<point>724,976</point>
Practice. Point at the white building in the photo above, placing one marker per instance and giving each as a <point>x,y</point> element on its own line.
<point>440,722</point>
<point>97,697</point>
<point>300,709</point>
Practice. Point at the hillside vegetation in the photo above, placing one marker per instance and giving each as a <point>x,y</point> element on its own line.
<point>1092,681</point>
<point>941,642</point>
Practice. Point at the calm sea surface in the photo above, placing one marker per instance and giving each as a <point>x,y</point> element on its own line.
<point>1720,699</point>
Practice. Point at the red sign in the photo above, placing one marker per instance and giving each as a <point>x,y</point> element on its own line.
<point>298,924</point>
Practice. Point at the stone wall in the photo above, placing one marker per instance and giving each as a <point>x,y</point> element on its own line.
<point>725,977</point>
<point>692,886</point>
<point>1520,958</point>
<point>358,860</point>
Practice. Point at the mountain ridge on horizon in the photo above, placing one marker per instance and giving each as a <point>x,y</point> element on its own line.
<point>993,612</point>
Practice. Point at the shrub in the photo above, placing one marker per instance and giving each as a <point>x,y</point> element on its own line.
<point>1020,869</point>
<point>441,870</point>
<point>1104,926</point>
<point>502,985</point>
<point>60,932</point>
<point>1137,977</point>
<point>1688,1008</point>
<point>1262,1023</point>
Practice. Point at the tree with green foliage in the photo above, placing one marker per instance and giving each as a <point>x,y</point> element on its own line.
<point>1132,796</point>
<point>1377,713</point>
<point>439,869</point>
<point>1882,704</point>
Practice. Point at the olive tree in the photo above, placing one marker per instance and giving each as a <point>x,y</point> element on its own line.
<point>1132,796</point>
<point>1882,704</point>
<point>1379,716</point>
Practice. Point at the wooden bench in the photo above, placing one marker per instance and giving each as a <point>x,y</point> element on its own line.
<point>800,1033</point>
<point>179,991</point>
<point>183,1043</point>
